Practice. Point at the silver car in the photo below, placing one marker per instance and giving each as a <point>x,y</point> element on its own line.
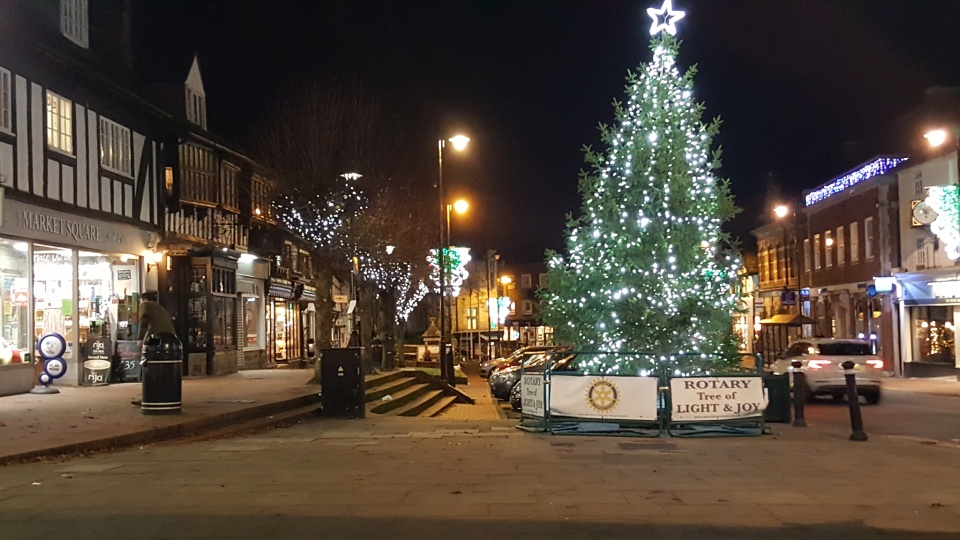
<point>821,360</point>
<point>486,368</point>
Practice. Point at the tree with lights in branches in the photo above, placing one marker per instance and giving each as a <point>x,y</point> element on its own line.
<point>646,270</point>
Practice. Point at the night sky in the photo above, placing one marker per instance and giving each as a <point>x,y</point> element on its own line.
<point>806,90</point>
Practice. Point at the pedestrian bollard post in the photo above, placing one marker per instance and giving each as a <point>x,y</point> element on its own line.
<point>856,421</point>
<point>798,394</point>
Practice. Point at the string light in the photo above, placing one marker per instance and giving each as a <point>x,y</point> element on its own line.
<point>866,171</point>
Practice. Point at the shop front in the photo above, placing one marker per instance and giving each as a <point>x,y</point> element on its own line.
<point>930,312</point>
<point>252,274</point>
<point>308,308</point>
<point>284,326</point>
<point>74,276</point>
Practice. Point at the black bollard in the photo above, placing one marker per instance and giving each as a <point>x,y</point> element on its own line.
<point>856,421</point>
<point>799,395</point>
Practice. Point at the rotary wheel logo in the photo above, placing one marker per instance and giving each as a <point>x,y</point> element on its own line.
<point>603,395</point>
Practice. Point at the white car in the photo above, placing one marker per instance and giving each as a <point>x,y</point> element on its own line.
<point>821,360</point>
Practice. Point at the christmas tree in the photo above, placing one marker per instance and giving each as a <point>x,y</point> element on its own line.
<point>646,269</point>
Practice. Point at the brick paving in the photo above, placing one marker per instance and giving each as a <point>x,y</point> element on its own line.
<point>485,408</point>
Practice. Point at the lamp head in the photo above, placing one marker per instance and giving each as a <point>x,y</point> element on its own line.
<point>936,137</point>
<point>781,211</point>
<point>506,280</point>
<point>461,206</point>
<point>459,142</point>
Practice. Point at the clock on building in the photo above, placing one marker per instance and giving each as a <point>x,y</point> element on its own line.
<point>923,214</point>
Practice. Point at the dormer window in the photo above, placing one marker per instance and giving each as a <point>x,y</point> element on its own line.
<point>73,21</point>
<point>196,108</point>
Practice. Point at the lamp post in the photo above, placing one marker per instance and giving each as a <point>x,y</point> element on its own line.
<point>505,281</point>
<point>782,211</point>
<point>446,364</point>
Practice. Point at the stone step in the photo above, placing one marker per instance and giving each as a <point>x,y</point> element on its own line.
<point>398,399</point>
<point>439,406</point>
<point>389,387</point>
<point>372,381</point>
<point>417,406</point>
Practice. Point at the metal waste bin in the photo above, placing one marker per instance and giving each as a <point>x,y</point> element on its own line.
<point>162,366</point>
<point>376,353</point>
<point>778,396</point>
<point>341,383</point>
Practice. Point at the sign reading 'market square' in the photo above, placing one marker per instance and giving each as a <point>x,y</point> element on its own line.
<point>45,224</point>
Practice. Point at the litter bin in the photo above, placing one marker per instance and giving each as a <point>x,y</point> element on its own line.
<point>341,383</point>
<point>778,396</point>
<point>389,354</point>
<point>376,353</point>
<point>162,370</point>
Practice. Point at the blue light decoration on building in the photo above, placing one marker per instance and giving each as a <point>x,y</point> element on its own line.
<point>868,170</point>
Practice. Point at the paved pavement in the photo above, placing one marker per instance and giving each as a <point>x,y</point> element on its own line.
<point>464,473</point>
<point>80,415</point>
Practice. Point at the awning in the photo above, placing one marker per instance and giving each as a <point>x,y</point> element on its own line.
<point>277,288</point>
<point>788,319</point>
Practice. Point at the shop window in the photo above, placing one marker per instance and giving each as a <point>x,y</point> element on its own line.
<point>252,322</point>
<point>224,316</point>
<point>285,322</point>
<point>933,334</point>
<point>53,294</point>
<point>17,322</point>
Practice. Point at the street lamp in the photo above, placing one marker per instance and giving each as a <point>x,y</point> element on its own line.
<point>781,212</point>
<point>446,361</point>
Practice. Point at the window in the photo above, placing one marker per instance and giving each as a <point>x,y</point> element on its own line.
<point>544,280</point>
<point>198,174</point>
<point>854,242</point>
<point>841,247</point>
<point>774,263</point>
<point>525,281</point>
<point>828,247</point>
<point>228,187</point>
<point>224,316</point>
<point>513,308</point>
<point>806,255</point>
<point>73,21</point>
<point>764,264</point>
<point>196,109</point>
<point>473,315</point>
<point>260,198</point>
<point>816,251</point>
<point>115,152</point>
<point>918,183</point>
<point>6,101</point>
<point>921,252</point>
<point>868,239</point>
<point>59,123</point>
<point>528,307</point>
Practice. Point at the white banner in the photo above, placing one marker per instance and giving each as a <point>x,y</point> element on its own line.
<point>532,395</point>
<point>623,398</point>
<point>716,398</point>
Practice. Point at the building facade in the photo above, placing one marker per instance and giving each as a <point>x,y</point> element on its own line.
<point>80,166</point>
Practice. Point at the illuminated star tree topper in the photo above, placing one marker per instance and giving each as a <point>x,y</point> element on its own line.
<point>664,19</point>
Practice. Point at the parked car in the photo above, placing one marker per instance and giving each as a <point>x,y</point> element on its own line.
<point>486,368</point>
<point>821,360</point>
<point>503,381</point>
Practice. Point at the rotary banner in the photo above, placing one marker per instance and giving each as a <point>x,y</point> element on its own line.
<point>613,398</point>
<point>716,398</point>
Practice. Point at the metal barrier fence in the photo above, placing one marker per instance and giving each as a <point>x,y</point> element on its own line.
<point>649,395</point>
